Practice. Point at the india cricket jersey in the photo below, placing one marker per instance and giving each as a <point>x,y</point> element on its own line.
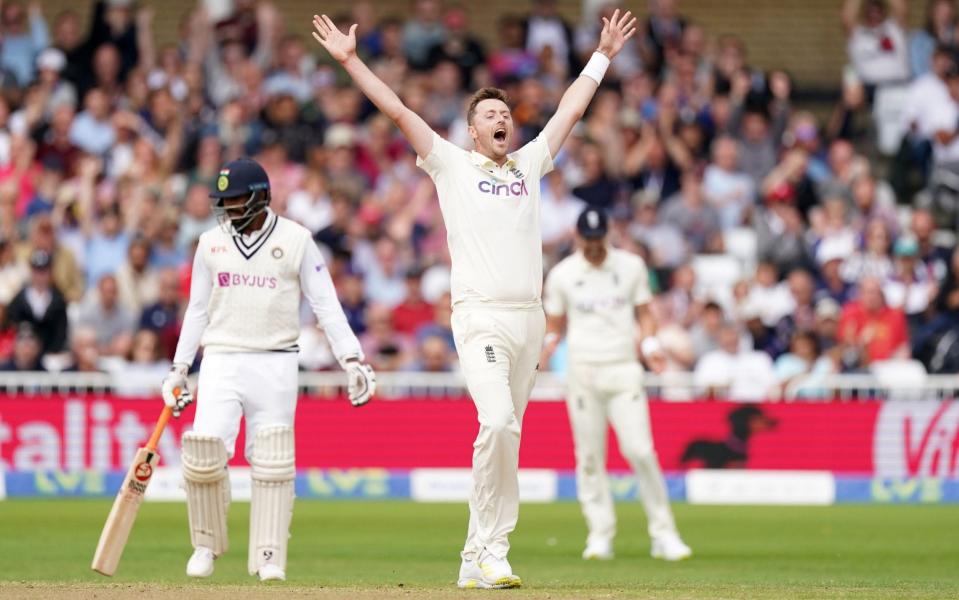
<point>255,298</point>
<point>492,219</point>
<point>599,304</point>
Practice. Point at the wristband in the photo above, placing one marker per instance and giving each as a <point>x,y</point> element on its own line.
<point>651,346</point>
<point>596,67</point>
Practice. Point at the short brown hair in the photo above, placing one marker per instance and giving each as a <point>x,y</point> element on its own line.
<point>486,93</point>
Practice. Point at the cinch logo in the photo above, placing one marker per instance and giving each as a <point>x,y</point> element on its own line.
<point>517,188</point>
<point>253,281</point>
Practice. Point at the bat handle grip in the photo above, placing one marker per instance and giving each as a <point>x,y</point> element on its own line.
<point>158,430</point>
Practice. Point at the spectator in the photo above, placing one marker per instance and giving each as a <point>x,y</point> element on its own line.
<point>384,281</point>
<point>138,373</point>
<point>353,300</point>
<point>27,351</point>
<point>909,287</point>
<point>705,333</point>
<point>440,325</point>
<point>559,210</point>
<point>56,90</point>
<point>872,260</point>
<point>830,257</point>
<point>383,347</point>
<point>780,231</point>
<point>668,249</point>
<point>680,305</point>
<point>137,282</point>
<point>662,34</point>
<point>25,35</point>
<point>92,130</point>
<point>939,30</point>
<point>106,245</point>
<point>13,273</point>
<point>935,259</point>
<point>113,323</point>
<point>729,372</point>
<point>41,305</point>
<point>803,363</point>
<point>310,205</point>
<point>876,41</point>
<point>433,356</point>
<point>67,39</point>
<point>801,316</point>
<point>651,165</point>
<point>413,311</point>
<point>727,189</point>
<point>84,351</point>
<point>692,216</point>
<point>67,275</point>
<point>163,316</point>
<point>550,38</point>
<point>422,32</point>
<point>827,328</point>
<point>459,46</point>
<point>511,60</point>
<point>870,330</point>
<point>197,217</point>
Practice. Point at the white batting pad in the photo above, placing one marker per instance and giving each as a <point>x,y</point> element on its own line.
<point>207,490</point>
<point>272,470</point>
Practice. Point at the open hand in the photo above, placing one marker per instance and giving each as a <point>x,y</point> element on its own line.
<point>341,47</point>
<point>616,30</point>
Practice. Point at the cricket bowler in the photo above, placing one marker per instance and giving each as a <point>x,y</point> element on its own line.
<point>490,201</point>
<point>248,276</point>
<point>597,295</point>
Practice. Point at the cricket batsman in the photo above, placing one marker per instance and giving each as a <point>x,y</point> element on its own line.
<point>248,276</point>
<point>489,198</point>
<point>597,295</point>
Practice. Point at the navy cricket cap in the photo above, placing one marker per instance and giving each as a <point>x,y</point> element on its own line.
<point>592,224</point>
<point>240,177</point>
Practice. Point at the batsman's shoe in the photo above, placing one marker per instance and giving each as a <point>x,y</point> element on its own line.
<point>271,573</point>
<point>487,572</point>
<point>598,550</point>
<point>671,548</point>
<point>201,563</point>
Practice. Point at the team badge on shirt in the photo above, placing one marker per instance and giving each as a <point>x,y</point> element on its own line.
<point>277,252</point>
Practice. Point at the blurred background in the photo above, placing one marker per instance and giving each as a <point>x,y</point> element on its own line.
<point>788,170</point>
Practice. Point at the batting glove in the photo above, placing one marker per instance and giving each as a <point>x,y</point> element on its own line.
<point>361,382</point>
<point>176,394</point>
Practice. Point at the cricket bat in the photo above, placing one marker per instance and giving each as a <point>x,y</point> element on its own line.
<point>113,538</point>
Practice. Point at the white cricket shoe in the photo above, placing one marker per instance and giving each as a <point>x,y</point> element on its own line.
<point>670,548</point>
<point>487,572</point>
<point>271,573</point>
<point>201,563</point>
<point>598,550</point>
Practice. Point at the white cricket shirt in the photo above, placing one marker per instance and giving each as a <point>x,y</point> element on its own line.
<point>492,222</point>
<point>245,293</point>
<point>599,304</point>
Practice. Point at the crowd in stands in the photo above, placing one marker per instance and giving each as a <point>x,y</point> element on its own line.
<point>781,242</point>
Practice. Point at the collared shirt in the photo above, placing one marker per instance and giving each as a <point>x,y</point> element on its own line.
<point>599,304</point>
<point>492,220</point>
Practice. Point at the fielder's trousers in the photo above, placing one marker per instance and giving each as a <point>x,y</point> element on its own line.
<point>602,394</point>
<point>498,351</point>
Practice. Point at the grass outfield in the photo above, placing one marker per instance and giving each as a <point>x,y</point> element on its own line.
<point>408,550</point>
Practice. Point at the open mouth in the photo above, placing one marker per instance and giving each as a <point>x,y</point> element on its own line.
<point>499,135</point>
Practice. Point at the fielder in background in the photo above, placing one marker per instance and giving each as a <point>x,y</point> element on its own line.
<point>248,276</point>
<point>490,203</point>
<point>597,295</point>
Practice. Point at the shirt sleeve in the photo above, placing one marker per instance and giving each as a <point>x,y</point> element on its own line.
<point>554,302</point>
<point>196,318</point>
<point>439,155</point>
<point>317,286</point>
<point>537,151</point>
<point>642,294</point>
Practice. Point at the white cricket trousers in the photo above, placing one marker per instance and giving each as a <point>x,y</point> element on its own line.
<point>498,352</point>
<point>259,386</point>
<point>613,393</point>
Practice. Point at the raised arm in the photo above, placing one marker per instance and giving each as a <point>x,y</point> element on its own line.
<point>342,47</point>
<point>577,97</point>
